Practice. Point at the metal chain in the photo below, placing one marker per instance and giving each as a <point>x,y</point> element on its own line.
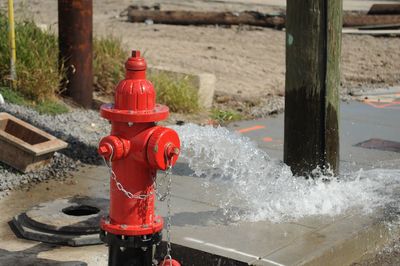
<point>120,187</point>
<point>166,196</point>
<point>161,197</point>
<point>169,222</point>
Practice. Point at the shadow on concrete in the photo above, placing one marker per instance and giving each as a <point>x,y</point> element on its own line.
<point>191,257</point>
<point>30,257</point>
<point>204,218</point>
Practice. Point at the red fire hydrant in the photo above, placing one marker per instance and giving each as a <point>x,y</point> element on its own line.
<point>137,148</point>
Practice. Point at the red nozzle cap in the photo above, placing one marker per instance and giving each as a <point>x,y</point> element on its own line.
<point>135,62</point>
<point>163,148</point>
<point>113,146</point>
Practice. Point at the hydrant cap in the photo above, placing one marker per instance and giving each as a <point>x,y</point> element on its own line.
<point>135,97</point>
<point>135,62</point>
<point>163,145</point>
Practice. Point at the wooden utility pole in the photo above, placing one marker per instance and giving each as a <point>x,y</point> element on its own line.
<point>313,46</point>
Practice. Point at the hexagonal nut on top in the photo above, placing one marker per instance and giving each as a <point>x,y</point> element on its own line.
<point>135,62</point>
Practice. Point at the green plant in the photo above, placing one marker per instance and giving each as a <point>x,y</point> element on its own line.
<point>225,116</point>
<point>47,106</point>
<point>39,76</point>
<point>12,96</point>
<point>177,93</point>
<point>108,63</point>
<point>51,108</point>
<point>37,60</point>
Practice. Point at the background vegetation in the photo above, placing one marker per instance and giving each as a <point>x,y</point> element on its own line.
<point>39,74</point>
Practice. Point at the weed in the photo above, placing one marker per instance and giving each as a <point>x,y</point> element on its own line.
<point>178,94</point>
<point>13,96</point>
<point>225,116</point>
<point>52,107</point>
<point>37,60</point>
<point>108,63</point>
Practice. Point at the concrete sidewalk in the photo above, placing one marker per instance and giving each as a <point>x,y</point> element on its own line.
<point>201,233</point>
<point>359,122</point>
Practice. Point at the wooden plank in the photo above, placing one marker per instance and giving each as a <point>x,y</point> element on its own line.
<point>181,17</point>
<point>380,27</point>
<point>384,9</point>
<point>352,20</point>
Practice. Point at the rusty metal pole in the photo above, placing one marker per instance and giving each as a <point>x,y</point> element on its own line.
<point>75,27</point>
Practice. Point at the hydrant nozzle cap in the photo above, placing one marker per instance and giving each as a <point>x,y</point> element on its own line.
<point>135,62</point>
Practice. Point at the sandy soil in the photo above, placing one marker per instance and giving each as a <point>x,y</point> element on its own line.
<point>247,61</point>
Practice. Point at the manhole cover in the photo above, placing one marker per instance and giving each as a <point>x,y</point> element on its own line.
<point>380,144</point>
<point>70,221</point>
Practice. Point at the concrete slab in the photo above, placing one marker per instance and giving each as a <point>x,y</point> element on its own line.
<point>337,243</point>
<point>200,225</point>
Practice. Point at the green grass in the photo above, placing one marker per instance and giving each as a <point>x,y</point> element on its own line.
<point>37,60</point>
<point>224,117</point>
<point>12,96</point>
<point>108,63</point>
<point>177,93</point>
<point>52,107</point>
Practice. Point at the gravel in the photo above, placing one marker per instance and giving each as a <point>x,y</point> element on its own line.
<point>269,106</point>
<point>81,129</point>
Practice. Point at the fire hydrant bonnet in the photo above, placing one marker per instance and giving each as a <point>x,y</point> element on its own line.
<point>135,97</point>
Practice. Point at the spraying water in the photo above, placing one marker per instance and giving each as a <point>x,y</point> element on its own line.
<point>257,187</point>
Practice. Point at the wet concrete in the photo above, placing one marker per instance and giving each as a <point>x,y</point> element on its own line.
<point>17,251</point>
<point>199,224</point>
<point>359,122</point>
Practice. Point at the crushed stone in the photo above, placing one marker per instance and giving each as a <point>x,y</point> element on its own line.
<point>81,129</point>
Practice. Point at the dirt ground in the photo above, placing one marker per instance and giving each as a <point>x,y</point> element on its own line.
<point>249,62</point>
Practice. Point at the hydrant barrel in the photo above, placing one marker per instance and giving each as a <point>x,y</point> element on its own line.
<point>136,149</point>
